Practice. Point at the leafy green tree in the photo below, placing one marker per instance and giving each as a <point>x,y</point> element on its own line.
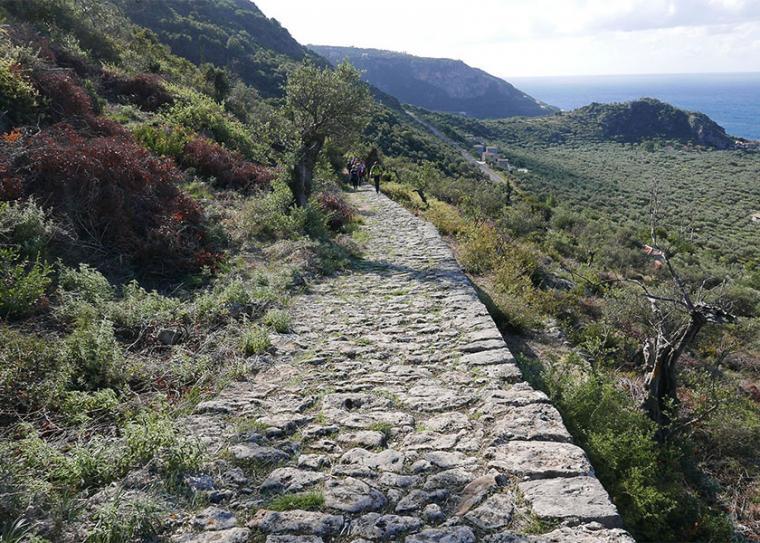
<point>322,104</point>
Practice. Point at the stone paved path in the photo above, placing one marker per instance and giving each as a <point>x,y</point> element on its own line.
<point>396,401</point>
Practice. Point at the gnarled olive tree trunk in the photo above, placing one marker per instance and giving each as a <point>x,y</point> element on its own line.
<point>302,175</point>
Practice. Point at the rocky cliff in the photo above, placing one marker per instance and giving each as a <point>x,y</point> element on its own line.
<point>438,84</point>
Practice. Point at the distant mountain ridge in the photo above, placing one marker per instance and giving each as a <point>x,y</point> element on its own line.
<point>438,84</point>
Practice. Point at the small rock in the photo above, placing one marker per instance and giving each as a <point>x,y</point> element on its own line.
<point>417,499</point>
<point>384,527</point>
<point>313,461</point>
<point>296,522</point>
<point>588,533</point>
<point>489,358</point>
<point>495,513</point>
<point>233,535</point>
<point>251,452</point>
<point>448,460</point>
<point>453,479</point>
<point>364,438</point>
<point>352,496</point>
<point>421,466</point>
<point>200,483</point>
<point>455,534</point>
<point>433,514</point>
<point>539,459</point>
<point>213,518</point>
<point>291,480</point>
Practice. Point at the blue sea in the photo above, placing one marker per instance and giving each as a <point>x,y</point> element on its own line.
<point>731,100</point>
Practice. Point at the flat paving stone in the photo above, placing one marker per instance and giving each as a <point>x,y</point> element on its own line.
<point>575,499</point>
<point>539,459</point>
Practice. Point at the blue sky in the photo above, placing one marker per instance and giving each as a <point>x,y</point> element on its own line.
<point>512,38</point>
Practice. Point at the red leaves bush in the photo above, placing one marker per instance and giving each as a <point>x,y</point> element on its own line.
<point>146,91</point>
<point>229,168</point>
<point>119,199</point>
<point>338,211</point>
<point>65,96</point>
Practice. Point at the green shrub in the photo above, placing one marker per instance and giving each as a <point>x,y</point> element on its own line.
<point>232,298</point>
<point>277,319</point>
<point>26,226</point>
<point>255,341</point>
<point>17,94</point>
<point>163,140</point>
<point>644,478</point>
<point>79,407</point>
<point>273,216</point>
<point>402,194</point>
<point>153,437</point>
<point>22,284</point>
<point>480,249</point>
<point>83,294</point>
<point>138,309</point>
<point>200,113</point>
<point>446,218</point>
<point>122,520</point>
<point>95,356</point>
<point>32,374</point>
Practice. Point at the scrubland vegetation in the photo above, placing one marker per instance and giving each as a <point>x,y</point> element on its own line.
<point>148,251</point>
<point>149,247</point>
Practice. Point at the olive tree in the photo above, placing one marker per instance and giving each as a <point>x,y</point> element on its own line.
<point>322,104</point>
<point>678,315</point>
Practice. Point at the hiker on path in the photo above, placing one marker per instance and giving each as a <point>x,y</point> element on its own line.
<point>362,171</point>
<point>376,173</point>
<point>355,176</point>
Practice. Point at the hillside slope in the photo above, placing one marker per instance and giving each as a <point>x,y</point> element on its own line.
<point>631,122</point>
<point>438,84</point>
<point>229,33</point>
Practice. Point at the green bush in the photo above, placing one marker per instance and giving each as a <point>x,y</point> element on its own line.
<point>79,407</point>
<point>26,226</point>
<point>255,341</point>
<point>480,249</point>
<point>83,294</point>
<point>163,140</point>
<point>273,216</point>
<point>32,374</point>
<point>95,356</point>
<point>200,113</point>
<point>153,437</point>
<point>22,284</point>
<point>122,520</point>
<point>18,96</point>
<point>446,218</point>
<point>138,309</point>
<point>278,320</point>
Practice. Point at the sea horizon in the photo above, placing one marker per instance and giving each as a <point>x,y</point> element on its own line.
<point>732,99</point>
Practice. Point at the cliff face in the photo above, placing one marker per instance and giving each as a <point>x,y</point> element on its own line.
<point>438,84</point>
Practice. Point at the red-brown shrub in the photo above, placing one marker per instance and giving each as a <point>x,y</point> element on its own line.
<point>338,211</point>
<point>66,97</point>
<point>119,199</point>
<point>146,91</point>
<point>229,168</point>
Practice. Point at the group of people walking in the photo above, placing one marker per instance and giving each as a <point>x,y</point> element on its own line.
<point>358,173</point>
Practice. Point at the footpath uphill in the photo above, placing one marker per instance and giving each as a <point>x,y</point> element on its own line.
<point>393,412</point>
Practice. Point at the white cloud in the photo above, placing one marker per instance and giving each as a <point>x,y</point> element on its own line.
<point>541,37</point>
